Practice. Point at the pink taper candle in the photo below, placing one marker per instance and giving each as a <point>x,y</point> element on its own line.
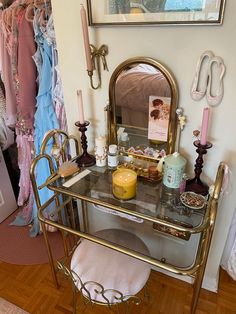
<point>80,105</point>
<point>205,120</point>
<point>86,38</point>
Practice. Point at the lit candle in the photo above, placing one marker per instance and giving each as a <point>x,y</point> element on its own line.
<point>205,120</point>
<point>80,105</point>
<point>86,38</point>
<point>124,182</point>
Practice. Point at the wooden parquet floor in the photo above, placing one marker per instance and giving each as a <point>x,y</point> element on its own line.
<point>32,289</point>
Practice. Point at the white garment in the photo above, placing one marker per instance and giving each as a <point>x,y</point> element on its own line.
<point>6,135</point>
<point>228,261</point>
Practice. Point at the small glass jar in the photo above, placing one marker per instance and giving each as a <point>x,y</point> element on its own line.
<point>124,142</point>
<point>153,173</point>
<point>112,156</point>
<point>183,183</point>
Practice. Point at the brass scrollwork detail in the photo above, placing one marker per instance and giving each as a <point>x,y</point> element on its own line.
<point>109,296</point>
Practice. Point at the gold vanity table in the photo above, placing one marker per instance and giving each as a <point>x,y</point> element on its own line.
<point>153,205</point>
<point>137,88</point>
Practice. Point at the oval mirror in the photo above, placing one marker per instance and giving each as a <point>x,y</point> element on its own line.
<point>143,99</point>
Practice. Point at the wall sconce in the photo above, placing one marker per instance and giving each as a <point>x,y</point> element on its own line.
<point>93,55</point>
<point>97,56</point>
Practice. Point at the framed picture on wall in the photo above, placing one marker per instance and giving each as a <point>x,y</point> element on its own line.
<point>151,12</point>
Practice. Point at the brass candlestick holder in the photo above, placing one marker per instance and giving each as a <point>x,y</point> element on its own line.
<point>196,185</point>
<point>85,159</point>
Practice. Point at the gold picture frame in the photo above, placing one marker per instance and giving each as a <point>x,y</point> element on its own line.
<point>155,12</point>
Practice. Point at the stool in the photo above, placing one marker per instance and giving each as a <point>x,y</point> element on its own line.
<point>108,277</point>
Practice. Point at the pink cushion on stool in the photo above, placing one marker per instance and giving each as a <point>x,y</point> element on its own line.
<point>109,268</point>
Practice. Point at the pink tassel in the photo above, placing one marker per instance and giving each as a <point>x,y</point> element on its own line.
<point>24,161</point>
<point>27,209</point>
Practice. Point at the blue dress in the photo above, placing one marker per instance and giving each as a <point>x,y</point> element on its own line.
<point>45,120</point>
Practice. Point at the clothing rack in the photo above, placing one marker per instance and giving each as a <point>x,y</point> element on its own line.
<point>33,107</point>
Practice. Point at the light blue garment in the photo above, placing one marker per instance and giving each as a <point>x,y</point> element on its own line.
<point>45,120</point>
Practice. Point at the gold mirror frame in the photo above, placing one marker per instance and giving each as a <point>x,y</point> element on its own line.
<point>172,130</point>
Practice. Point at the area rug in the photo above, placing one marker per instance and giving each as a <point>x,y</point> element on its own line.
<point>16,246</point>
<point>9,308</point>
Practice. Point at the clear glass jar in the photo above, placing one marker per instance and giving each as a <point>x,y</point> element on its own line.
<point>112,157</point>
<point>124,142</point>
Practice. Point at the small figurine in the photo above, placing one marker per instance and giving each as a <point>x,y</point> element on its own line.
<point>181,118</point>
<point>162,153</point>
<point>160,164</point>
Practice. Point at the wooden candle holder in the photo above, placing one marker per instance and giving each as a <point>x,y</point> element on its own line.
<point>196,185</point>
<point>85,159</point>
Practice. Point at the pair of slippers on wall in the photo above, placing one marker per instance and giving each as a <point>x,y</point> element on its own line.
<point>208,79</point>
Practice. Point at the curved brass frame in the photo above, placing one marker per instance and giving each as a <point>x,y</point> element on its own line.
<point>172,131</point>
<point>99,290</point>
<point>53,135</point>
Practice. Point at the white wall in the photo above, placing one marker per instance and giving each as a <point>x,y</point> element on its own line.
<point>179,47</point>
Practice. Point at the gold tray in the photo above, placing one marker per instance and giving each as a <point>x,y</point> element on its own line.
<point>171,231</point>
<point>142,173</point>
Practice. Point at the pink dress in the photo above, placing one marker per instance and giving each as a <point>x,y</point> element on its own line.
<point>27,75</point>
<point>7,75</point>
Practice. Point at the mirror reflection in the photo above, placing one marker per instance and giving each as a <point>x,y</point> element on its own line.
<point>143,97</point>
<point>132,91</point>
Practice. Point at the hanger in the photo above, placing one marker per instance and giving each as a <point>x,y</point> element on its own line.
<point>30,10</point>
<point>29,13</point>
<point>39,4</point>
<point>7,18</point>
<point>6,3</point>
<point>12,11</point>
<point>45,13</point>
<point>22,5</point>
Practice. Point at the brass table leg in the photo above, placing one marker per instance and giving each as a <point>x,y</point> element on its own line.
<point>51,262</point>
<point>196,289</point>
<point>206,239</point>
<point>207,236</point>
<point>85,216</point>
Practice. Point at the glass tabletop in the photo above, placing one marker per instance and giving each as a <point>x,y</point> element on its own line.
<point>153,201</point>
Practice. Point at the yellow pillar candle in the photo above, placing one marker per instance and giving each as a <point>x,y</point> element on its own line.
<point>124,182</point>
